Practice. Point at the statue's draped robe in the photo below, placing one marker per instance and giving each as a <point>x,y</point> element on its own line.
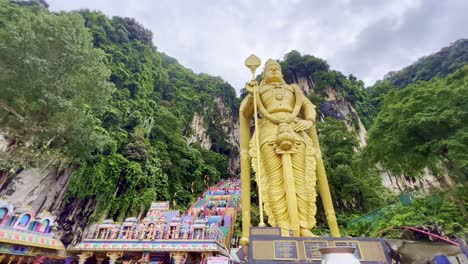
<point>271,172</point>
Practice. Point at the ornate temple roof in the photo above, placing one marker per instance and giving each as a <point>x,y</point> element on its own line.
<point>20,226</point>
<point>202,228</point>
<point>29,238</point>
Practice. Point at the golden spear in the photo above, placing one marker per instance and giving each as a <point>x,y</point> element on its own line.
<point>253,62</point>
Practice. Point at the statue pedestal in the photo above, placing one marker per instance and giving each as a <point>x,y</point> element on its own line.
<point>267,246</point>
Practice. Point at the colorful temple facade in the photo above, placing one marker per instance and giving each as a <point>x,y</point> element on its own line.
<point>27,238</point>
<point>201,233</point>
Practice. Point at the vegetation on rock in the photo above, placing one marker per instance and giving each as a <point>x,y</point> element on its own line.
<point>53,86</point>
<point>149,119</point>
<point>440,64</point>
<point>437,65</point>
<point>354,188</point>
<point>424,126</point>
<point>127,137</point>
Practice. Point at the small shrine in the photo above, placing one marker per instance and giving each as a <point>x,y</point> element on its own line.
<point>26,237</point>
<point>167,236</point>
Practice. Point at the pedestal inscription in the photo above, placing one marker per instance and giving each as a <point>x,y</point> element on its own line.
<point>285,250</point>
<point>265,248</point>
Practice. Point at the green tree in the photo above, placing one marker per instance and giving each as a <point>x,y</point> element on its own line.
<point>437,65</point>
<point>53,84</point>
<point>440,64</point>
<point>354,188</point>
<point>423,126</point>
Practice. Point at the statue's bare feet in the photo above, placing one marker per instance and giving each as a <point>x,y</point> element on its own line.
<point>285,229</point>
<point>306,233</point>
<point>285,233</point>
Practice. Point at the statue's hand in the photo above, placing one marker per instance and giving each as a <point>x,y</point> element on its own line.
<point>301,125</point>
<point>250,86</point>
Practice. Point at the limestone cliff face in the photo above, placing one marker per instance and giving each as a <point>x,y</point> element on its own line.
<point>43,189</point>
<point>228,120</point>
<point>336,106</point>
<point>403,183</point>
<point>199,132</point>
<point>73,218</point>
<point>224,123</point>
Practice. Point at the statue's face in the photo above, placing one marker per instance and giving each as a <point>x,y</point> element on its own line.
<point>273,74</point>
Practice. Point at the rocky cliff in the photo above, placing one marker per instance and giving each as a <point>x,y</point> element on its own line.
<point>226,120</point>
<point>44,189</point>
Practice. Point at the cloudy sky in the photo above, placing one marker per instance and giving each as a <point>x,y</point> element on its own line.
<point>367,38</point>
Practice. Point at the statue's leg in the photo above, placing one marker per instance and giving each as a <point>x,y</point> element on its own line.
<point>276,192</point>
<point>305,182</point>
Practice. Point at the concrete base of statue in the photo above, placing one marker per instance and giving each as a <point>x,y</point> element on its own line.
<point>267,246</point>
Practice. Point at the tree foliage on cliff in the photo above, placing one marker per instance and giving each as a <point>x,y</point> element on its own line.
<point>424,125</point>
<point>148,120</point>
<point>354,188</point>
<point>55,73</point>
<point>437,65</point>
<point>53,86</point>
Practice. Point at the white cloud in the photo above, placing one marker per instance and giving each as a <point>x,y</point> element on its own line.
<point>367,38</point>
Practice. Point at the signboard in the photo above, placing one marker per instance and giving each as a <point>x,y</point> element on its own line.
<point>265,231</point>
<point>285,250</point>
<point>217,260</point>
<point>160,206</point>
<point>312,249</point>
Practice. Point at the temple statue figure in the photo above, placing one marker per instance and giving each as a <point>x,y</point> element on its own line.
<point>284,154</point>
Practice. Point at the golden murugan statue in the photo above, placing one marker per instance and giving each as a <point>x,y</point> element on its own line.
<point>285,155</point>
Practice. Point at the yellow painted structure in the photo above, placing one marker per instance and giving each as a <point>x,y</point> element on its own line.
<point>284,153</point>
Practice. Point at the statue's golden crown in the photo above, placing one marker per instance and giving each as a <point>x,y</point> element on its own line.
<point>271,62</point>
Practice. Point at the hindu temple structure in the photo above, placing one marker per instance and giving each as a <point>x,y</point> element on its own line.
<point>28,238</point>
<point>165,236</point>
